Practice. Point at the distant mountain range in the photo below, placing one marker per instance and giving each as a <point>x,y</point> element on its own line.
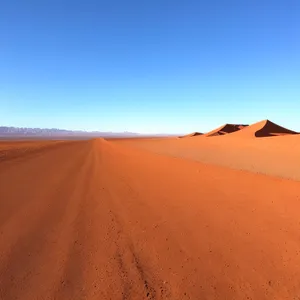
<point>19,132</point>
<point>6,131</point>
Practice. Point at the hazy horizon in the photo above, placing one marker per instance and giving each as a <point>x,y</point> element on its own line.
<point>125,133</point>
<point>169,67</point>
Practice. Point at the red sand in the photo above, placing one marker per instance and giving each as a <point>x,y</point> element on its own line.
<point>105,220</point>
<point>225,129</point>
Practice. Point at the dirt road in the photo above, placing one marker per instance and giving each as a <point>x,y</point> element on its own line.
<point>97,220</point>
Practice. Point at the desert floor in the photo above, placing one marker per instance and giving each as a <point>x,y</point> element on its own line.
<point>194,218</point>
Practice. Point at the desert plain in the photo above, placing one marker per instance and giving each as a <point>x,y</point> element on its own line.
<point>201,216</point>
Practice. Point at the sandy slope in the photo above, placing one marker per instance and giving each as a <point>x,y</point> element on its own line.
<point>191,135</point>
<point>98,220</point>
<point>275,156</point>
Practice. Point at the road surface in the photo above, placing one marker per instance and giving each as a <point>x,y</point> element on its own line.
<point>96,220</point>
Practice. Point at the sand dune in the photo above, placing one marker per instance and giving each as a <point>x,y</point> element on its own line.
<point>263,128</point>
<point>225,129</point>
<point>278,156</point>
<point>191,135</point>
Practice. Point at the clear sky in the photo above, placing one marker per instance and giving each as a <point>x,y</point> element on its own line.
<point>160,66</point>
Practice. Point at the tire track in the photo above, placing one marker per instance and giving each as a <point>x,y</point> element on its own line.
<point>72,282</point>
<point>138,281</point>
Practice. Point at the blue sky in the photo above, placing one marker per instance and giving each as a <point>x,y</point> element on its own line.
<point>157,66</point>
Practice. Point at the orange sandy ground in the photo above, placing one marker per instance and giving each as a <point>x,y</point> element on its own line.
<point>115,220</point>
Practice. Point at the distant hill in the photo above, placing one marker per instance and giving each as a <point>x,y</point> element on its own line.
<point>16,132</point>
<point>191,135</point>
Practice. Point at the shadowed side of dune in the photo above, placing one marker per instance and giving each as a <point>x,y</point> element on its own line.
<point>191,135</point>
<point>272,129</point>
<point>226,129</point>
<point>264,128</point>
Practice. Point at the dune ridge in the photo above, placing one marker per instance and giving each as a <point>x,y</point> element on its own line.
<point>225,129</point>
<point>265,128</point>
